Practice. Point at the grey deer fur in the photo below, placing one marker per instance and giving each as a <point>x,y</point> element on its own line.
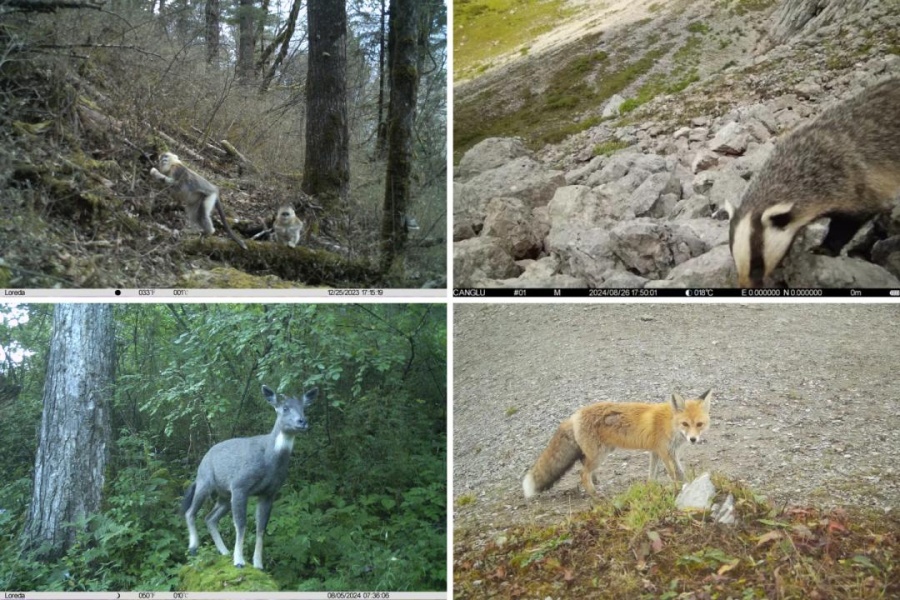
<point>242,467</point>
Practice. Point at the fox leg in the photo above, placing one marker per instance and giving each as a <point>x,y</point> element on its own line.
<point>589,463</point>
<point>672,466</point>
<point>654,466</point>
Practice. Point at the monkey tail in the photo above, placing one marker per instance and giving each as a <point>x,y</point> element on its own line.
<point>231,234</point>
<point>188,498</point>
<point>560,454</point>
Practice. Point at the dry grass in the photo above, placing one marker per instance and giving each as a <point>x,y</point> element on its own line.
<point>638,546</point>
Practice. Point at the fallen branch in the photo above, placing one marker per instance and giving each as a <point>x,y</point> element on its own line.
<point>46,6</point>
<point>243,160</point>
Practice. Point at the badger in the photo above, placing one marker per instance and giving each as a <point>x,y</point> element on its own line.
<point>845,165</point>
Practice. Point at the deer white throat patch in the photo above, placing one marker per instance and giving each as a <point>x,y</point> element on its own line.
<point>283,443</point>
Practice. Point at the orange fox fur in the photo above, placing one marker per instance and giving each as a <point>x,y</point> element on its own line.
<point>595,430</point>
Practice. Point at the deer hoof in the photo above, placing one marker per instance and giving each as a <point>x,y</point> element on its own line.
<point>239,565</point>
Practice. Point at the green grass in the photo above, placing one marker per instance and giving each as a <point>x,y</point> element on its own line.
<point>607,148</point>
<point>485,29</point>
<point>581,85</point>
<point>698,27</point>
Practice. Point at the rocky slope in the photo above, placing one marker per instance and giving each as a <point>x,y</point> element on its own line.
<point>634,200</point>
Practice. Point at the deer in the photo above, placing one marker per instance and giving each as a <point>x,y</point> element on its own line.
<point>235,469</point>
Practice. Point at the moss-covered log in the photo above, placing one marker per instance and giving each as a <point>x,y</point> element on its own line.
<point>303,265</point>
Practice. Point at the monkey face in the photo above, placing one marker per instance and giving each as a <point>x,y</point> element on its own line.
<point>166,161</point>
<point>286,214</point>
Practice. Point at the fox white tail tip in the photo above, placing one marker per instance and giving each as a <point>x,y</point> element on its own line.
<point>528,485</point>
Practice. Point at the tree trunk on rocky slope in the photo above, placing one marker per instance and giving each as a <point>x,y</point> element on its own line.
<point>795,16</point>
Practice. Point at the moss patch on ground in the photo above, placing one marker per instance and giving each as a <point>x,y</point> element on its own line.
<point>637,545</point>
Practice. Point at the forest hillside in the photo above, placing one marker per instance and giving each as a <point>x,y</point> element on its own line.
<point>92,94</point>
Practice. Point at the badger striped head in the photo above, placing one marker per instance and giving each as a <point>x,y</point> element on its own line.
<point>760,239</point>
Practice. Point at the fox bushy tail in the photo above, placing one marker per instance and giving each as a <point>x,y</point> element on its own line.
<point>560,454</point>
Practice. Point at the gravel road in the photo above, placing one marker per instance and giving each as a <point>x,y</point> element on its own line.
<point>805,405</point>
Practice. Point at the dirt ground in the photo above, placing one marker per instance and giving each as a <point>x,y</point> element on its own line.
<point>805,405</point>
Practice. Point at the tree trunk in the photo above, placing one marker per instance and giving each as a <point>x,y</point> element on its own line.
<point>404,73</point>
<point>381,138</point>
<point>212,30</point>
<point>283,38</point>
<point>71,455</point>
<point>247,40</point>
<point>794,16</point>
<point>326,173</point>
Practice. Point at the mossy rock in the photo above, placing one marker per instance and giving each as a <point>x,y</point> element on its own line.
<point>216,574</point>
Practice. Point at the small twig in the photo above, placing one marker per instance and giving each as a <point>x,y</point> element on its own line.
<point>105,46</point>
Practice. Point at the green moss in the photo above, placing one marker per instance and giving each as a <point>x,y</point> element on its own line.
<point>607,148</point>
<point>465,500</point>
<point>215,573</point>
<point>511,411</point>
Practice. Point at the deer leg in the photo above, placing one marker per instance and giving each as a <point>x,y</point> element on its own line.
<point>199,495</point>
<point>263,510</point>
<point>212,522</point>
<point>239,513</point>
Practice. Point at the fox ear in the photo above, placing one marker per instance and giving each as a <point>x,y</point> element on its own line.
<point>677,402</point>
<point>707,398</point>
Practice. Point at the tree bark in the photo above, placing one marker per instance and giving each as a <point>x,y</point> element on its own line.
<point>284,39</point>
<point>404,73</point>
<point>381,138</point>
<point>72,449</point>
<point>246,40</point>
<point>326,173</point>
<point>212,30</point>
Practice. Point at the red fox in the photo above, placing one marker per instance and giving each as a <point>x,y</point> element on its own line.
<point>593,431</point>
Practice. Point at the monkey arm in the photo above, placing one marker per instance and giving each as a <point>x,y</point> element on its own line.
<point>159,175</point>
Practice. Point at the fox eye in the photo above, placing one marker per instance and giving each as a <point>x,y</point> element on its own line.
<point>700,424</point>
<point>685,424</point>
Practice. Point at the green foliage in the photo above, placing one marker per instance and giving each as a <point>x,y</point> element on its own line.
<point>364,506</point>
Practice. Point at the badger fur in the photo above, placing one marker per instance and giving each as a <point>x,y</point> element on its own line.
<point>844,165</point>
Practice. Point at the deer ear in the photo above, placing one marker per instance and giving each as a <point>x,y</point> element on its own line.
<point>309,396</point>
<point>270,395</point>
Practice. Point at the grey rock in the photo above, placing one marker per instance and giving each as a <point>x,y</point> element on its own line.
<point>489,154</point>
<point>695,207</point>
<point>731,140</point>
<point>509,220</point>
<point>698,134</point>
<point>615,168</point>
<point>696,495</point>
<point>522,178</point>
<point>819,271</point>
<point>462,230</point>
<point>612,106</point>
<point>481,258</point>
<point>651,248</point>
<point>714,269</point>
<point>646,196</point>
<point>703,160</point>
<point>623,279</point>
<point>578,175</point>
<point>728,185</point>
